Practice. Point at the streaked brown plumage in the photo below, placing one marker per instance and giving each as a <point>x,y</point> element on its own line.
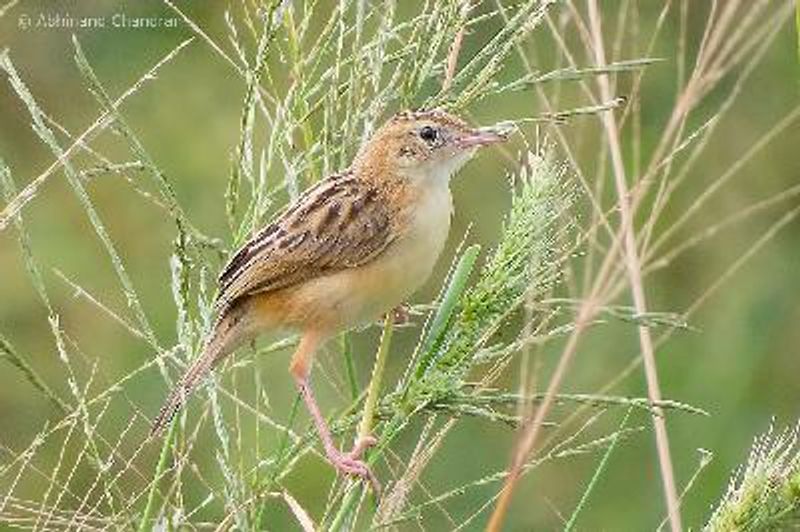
<point>352,247</point>
<point>340,223</point>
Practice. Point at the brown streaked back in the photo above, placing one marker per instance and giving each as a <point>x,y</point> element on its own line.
<point>343,222</point>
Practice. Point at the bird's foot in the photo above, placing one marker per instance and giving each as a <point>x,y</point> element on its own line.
<point>362,444</point>
<point>401,315</point>
<point>352,464</point>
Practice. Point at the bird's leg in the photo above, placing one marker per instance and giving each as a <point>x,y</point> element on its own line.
<point>347,463</point>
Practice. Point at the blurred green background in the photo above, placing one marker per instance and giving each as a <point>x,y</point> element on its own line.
<point>741,364</point>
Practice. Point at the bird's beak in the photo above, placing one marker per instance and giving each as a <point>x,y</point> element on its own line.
<point>483,136</point>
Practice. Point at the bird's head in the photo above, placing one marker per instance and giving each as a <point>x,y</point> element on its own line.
<point>425,145</point>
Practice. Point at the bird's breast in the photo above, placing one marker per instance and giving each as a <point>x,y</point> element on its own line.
<point>354,296</point>
<point>403,267</point>
<point>413,256</point>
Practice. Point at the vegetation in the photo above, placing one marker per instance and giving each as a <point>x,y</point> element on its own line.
<point>617,115</point>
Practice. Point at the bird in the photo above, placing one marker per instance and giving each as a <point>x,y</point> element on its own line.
<point>349,249</point>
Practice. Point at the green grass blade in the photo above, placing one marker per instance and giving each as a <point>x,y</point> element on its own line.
<point>452,295</point>
<point>597,472</point>
<point>797,28</point>
<point>8,352</point>
<point>144,524</point>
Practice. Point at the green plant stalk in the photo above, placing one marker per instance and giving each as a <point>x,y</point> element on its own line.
<point>797,27</point>
<point>15,358</point>
<point>345,510</point>
<point>243,148</point>
<point>600,468</point>
<point>449,302</point>
<point>370,404</point>
<point>162,462</point>
<point>6,349</point>
<point>281,455</point>
<point>165,188</point>
<point>706,457</point>
<point>296,54</point>
<point>350,366</point>
<point>284,442</point>
<point>374,389</point>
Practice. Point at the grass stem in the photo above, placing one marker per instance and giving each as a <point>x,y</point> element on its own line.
<point>365,427</point>
<point>600,468</point>
<point>634,267</point>
<point>162,462</point>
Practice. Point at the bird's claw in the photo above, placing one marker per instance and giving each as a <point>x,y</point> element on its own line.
<point>352,464</point>
<point>401,315</point>
<point>362,444</point>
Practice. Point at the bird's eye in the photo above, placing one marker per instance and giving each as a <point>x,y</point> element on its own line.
<point>428,134</point>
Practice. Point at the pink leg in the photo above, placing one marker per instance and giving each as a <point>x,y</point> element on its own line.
<point>349,463</point>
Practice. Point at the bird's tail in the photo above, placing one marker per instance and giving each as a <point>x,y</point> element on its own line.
<point>226,336</point>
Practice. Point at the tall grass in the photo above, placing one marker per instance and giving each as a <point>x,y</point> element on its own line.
<point>575,244</point>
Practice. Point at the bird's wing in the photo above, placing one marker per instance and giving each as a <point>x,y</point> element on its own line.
<point>340,223</point>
